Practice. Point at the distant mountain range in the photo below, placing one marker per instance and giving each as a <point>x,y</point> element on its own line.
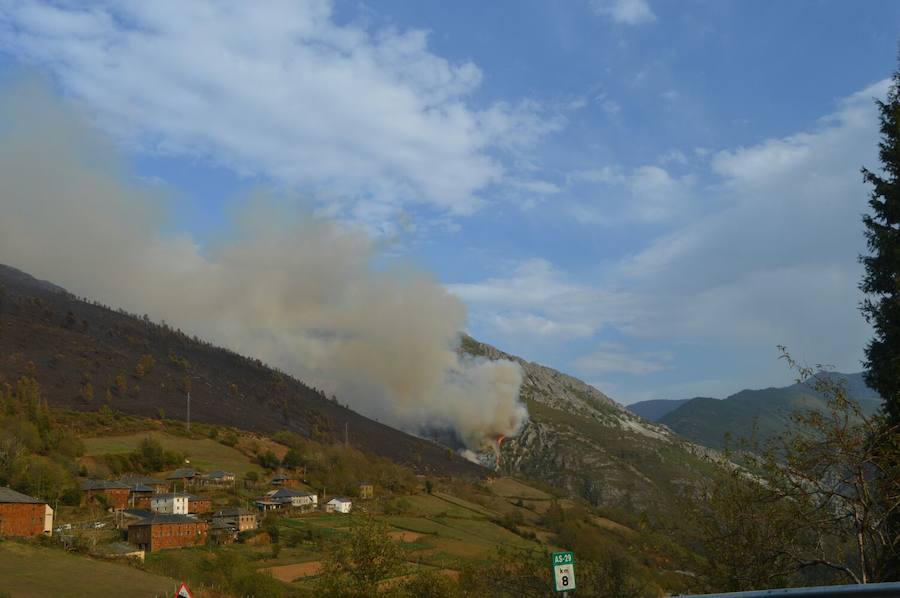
<point>765,412</point>
<point>655,409</point>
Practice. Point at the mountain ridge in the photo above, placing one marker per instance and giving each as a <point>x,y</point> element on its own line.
<point>580,439</point>
<point>762,413</point>
<point>87,356</point>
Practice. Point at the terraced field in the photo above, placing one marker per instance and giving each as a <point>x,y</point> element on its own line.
<point>203,453</point>
<point>440,531</point>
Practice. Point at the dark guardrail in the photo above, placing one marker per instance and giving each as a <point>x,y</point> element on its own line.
<point>869,590</point>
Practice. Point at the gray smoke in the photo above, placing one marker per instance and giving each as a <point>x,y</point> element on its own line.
<point>299,292</point>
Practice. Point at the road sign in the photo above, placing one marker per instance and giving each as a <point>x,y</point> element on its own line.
<point>564,571</point>
<point>183,592</point>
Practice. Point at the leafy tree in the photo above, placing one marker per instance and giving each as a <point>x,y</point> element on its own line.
<point>39,476</point>
<point>87,392</point>
<point>292,459</point>
<point>144,366</point>
<point>428,584</point>
<point>152,454</point>
<point>121,384</point>
<point>233,572</point>
<point>746,531</point>
<point>355,565</point>
<point>229,438</point>
<point>818,501</point>
<point>268,460</point>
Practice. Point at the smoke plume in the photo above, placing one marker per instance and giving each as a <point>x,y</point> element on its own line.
<point>308,295</point>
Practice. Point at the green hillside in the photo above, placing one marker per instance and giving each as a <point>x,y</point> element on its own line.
<point>655,409</point>
<point>762,413</point>
<point>580,440</point>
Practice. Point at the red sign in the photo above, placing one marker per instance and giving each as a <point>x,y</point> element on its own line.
<point>183,592</point>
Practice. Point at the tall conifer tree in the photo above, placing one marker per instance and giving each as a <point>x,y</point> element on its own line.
<point>882,278</point>
<point>882,306</point>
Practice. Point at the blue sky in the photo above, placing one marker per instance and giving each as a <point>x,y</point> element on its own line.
<point>649,195</point>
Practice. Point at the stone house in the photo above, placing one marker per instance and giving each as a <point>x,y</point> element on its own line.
<point>198,504</point>
<point>240,519</point>
<point>217,478</point>
<point>22,515</point>
<point>283,481</point>
<point>183,477</point>
<point>114,493</point>
<point>366,490</point>
<point>143,481</point>
<point>167,531</point>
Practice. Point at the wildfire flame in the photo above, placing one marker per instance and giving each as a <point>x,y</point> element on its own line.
<point>500,440</point>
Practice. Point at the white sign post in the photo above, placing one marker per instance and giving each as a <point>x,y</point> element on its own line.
<point>563,571</point>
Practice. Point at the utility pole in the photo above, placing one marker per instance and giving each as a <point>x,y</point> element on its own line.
<point>346,433</point>
<point>188,411</point>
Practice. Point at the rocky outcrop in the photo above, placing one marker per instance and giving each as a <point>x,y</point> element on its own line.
<point>580,440</point>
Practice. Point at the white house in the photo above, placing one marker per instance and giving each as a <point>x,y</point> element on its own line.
<point>338,504</point>
<point>174,503</point>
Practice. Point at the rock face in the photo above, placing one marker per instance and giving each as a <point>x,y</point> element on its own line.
<point>581,440</point>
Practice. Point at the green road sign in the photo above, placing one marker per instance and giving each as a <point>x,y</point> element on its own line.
<point>563,571</point>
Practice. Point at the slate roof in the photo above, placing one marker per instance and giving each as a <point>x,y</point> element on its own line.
<point>159,519</point>
<point>103,485</point>
<point>184,472</point>
<point>218,474</point>
<point>286,493</point>
<point>142,513</point>
<point>135,480</point>
<point>9,495</point>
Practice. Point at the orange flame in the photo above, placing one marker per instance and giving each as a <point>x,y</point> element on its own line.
<point>500,440</point>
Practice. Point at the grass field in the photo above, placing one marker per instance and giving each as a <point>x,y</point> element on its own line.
<point>203,453</point>
<point>35,572</point>
<point>511,488</point>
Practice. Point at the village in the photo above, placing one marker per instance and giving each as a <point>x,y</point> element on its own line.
<point>186,508</point>
<point>269,517</point>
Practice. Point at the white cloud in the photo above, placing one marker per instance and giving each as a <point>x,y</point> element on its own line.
<point>605,174</point>
<point>673,157</point>
<point>606,361</point>
<point>626,12</point>
<point>657,195</point>
<point>670,95</point>
<point>539,187</point>
<point>771,260</point>
<point>537,301</point>
<point>647,194</point>
<point>776,263</point>
<point>280,90</point>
